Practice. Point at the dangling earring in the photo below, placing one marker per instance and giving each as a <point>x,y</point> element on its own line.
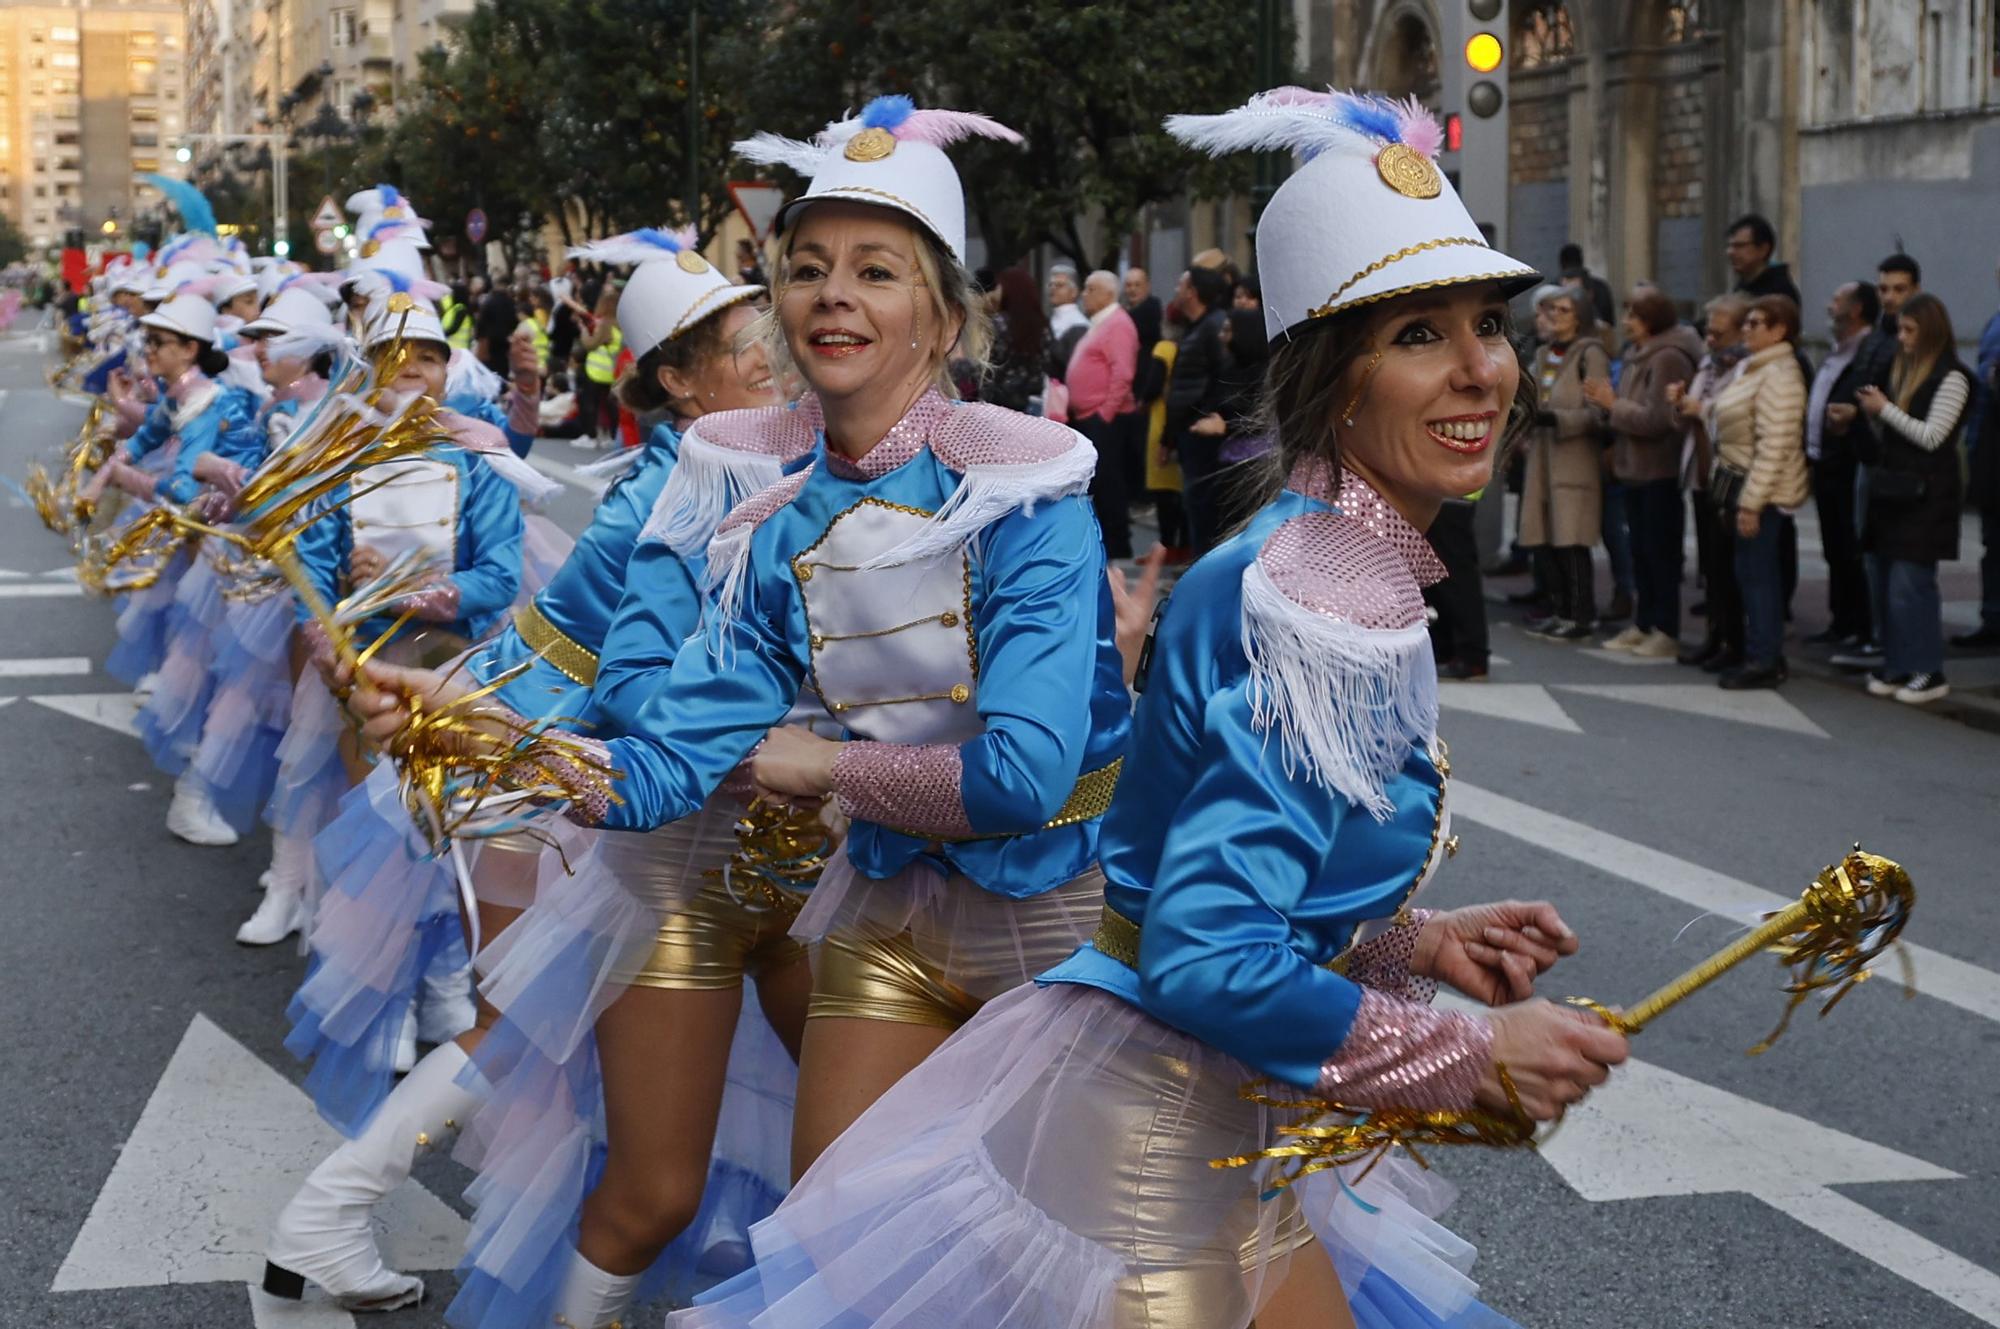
<point>1354,402</point>
<point>916,319</point>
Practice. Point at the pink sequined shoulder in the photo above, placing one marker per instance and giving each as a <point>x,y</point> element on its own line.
<point>784,432</point>
<point>473,435</point>
<point>1334,565</point>
<point>756,509</point>
<point>982,434</point>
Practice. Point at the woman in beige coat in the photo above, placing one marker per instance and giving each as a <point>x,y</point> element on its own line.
<point>1758,424</point>
<point>1562,497</point>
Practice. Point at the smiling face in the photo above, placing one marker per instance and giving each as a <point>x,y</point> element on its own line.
<point>1561,315</point>
<point>1433,407</point>
<point>423,371</point>
<point>736,377</point>
<point>857,314</point>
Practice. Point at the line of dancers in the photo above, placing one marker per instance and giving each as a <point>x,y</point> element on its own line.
<point>1047,909</point>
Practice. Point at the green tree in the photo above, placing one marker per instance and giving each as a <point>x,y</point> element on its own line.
<point>1086,84</point>
<point>13,245</point>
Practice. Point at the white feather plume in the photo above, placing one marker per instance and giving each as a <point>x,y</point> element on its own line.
<point>776,150</point>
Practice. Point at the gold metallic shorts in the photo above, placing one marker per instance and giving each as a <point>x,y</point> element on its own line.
<point>711,941</point>
<point>920,977</point>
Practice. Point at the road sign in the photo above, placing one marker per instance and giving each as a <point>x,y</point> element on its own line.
<point>326,242</point>
<point>475,226</point>
<point>758,204</point>
<point>327,217</point>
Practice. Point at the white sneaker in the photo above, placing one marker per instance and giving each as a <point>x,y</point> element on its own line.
<point>1655,645</point>
<point>1626,640</point>
<point>324,1234</point>
<point>193,818</point>
<point>279,914</point>
<point>1923,688</point>
<point>147,682</point>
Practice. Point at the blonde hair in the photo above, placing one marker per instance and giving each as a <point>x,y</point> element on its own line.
<point>1934,344</point>
<point>953,296</point>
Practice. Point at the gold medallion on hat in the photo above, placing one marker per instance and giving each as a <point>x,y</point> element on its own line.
<point>689,261</point>
<point>870,145</point>
<point>1408,172</point>
<point>370,248</point>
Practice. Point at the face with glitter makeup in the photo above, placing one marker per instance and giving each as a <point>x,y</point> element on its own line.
<point>1431,397</point>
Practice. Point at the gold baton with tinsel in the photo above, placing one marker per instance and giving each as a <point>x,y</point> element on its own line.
<point>1853,911</point>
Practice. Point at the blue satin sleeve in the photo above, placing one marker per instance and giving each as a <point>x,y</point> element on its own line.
<point>660,610</point>
<point>1218,955</point>
<point>1043,577</point>
<point>492,413</point>
<point>725,691</point>
<point>98,381</point>
<point>322,549</point>
<point>227,428</point>
<point>153,431</point>
<point>489,549</point>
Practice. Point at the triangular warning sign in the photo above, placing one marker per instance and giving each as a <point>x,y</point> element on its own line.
<point>328,216</point>
<point>759,205</point>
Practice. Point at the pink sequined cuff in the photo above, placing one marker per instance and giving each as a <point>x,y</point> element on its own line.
<point>439,604</point>
<point>587,809</point>
<point>1383,962</point>
<point>524,415</point>
<point>903,787</point>
<point>1400,1054</point>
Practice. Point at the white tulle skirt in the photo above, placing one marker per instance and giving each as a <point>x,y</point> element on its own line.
<point>1048,1168</point>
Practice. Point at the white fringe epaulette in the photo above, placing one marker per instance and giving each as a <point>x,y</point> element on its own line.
<point>1340,658</point>
<point>725,459</point>
<point>466,376</point>
<point>489,444</point>
<point>1008,462</point>
<point>729,550</point>
<point>613,466</point>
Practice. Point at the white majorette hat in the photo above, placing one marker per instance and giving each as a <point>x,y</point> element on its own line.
<point>672,289</point>
<point>891,155</point>
<point>397,267</point>
<point>386,203</point>
<point>229,285</point>
<point>1369,215</point>
<point>189,315</point>
<point>398,315</point>
<point>291,311</point>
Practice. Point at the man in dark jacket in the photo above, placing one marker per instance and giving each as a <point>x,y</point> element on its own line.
<point>1861,356</point>
<point>1574,273</point>
<point>1751,243</point>
<point>1195,395</point>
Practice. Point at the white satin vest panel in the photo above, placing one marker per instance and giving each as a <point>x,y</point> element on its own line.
<point>894,657</point>
<point>405,505</point>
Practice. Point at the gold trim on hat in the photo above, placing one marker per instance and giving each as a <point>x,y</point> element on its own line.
<point>841,191</point>
<point>696,313</point>
<point>870,145</point>
<point>1409,251</point>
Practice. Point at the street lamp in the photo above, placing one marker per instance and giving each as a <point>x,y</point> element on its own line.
<point>183,154</point>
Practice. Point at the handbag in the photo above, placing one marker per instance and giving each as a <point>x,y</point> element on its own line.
<point>1887,486</point>
<point>1725,487</point>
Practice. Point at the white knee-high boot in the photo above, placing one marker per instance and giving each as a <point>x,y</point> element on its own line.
<point>282,911</point>
<point>591,1298</point>
<point>323,1234</point>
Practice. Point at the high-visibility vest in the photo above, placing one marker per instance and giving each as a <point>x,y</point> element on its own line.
<point>540,335</point>
<point>457,322</point>
<point>601,365</point>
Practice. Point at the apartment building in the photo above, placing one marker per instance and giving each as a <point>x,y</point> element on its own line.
<point>91,94</point>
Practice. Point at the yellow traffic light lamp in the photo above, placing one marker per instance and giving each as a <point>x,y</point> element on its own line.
<point>1483,52</point>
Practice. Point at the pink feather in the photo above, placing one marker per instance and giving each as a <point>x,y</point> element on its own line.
<point>943,128</point>
<point>1420,130</point>
<point>425,289</point>
<point>687,238</point>
<point>1296,96</point>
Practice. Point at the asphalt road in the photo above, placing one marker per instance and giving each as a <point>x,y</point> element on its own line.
<point>1845,1180</point>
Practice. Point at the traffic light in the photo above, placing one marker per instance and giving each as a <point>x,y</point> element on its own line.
<point>1475,33</point>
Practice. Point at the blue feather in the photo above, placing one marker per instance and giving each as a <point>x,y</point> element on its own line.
<point>1370,115</point>
<point>659,239</point>
<point>887,112</point>
<point>196,214</point>
<point>390,198</point>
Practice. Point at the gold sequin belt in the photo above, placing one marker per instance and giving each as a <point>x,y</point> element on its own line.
<point>1118,937</point>
<point>572,659</point>
<point>1090,800</point>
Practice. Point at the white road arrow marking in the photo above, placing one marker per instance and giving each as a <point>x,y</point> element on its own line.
<point>1758,708</point>
<point>1942,976</point>
<point>116,711</point>
<point>1527,703</point>
<point>51,667</point>
<point>219,1148</point>
<point>1650,1132</point>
